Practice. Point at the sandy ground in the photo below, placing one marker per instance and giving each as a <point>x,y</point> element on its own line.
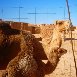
<point>66,65</point>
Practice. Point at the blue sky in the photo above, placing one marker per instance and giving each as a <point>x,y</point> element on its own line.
<point>8,10</point>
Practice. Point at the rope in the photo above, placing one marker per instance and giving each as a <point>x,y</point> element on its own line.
<point>70,25</point>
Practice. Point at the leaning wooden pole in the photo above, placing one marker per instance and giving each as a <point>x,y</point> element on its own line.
<point>71,35</point>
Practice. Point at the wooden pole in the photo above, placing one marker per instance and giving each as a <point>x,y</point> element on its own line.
<point>71,35</point>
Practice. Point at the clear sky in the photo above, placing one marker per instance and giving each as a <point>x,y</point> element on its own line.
<point>56,8</point>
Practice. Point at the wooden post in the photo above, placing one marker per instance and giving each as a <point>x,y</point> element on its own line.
<point>71,35</point>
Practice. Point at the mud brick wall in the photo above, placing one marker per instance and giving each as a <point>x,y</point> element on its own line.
<point>31,29</point>
<point>26,26</point>
<point>15,25</point>
<point>37,30</point>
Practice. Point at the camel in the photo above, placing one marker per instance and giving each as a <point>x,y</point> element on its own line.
<point>55,41</point>
<point>23,63</point>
